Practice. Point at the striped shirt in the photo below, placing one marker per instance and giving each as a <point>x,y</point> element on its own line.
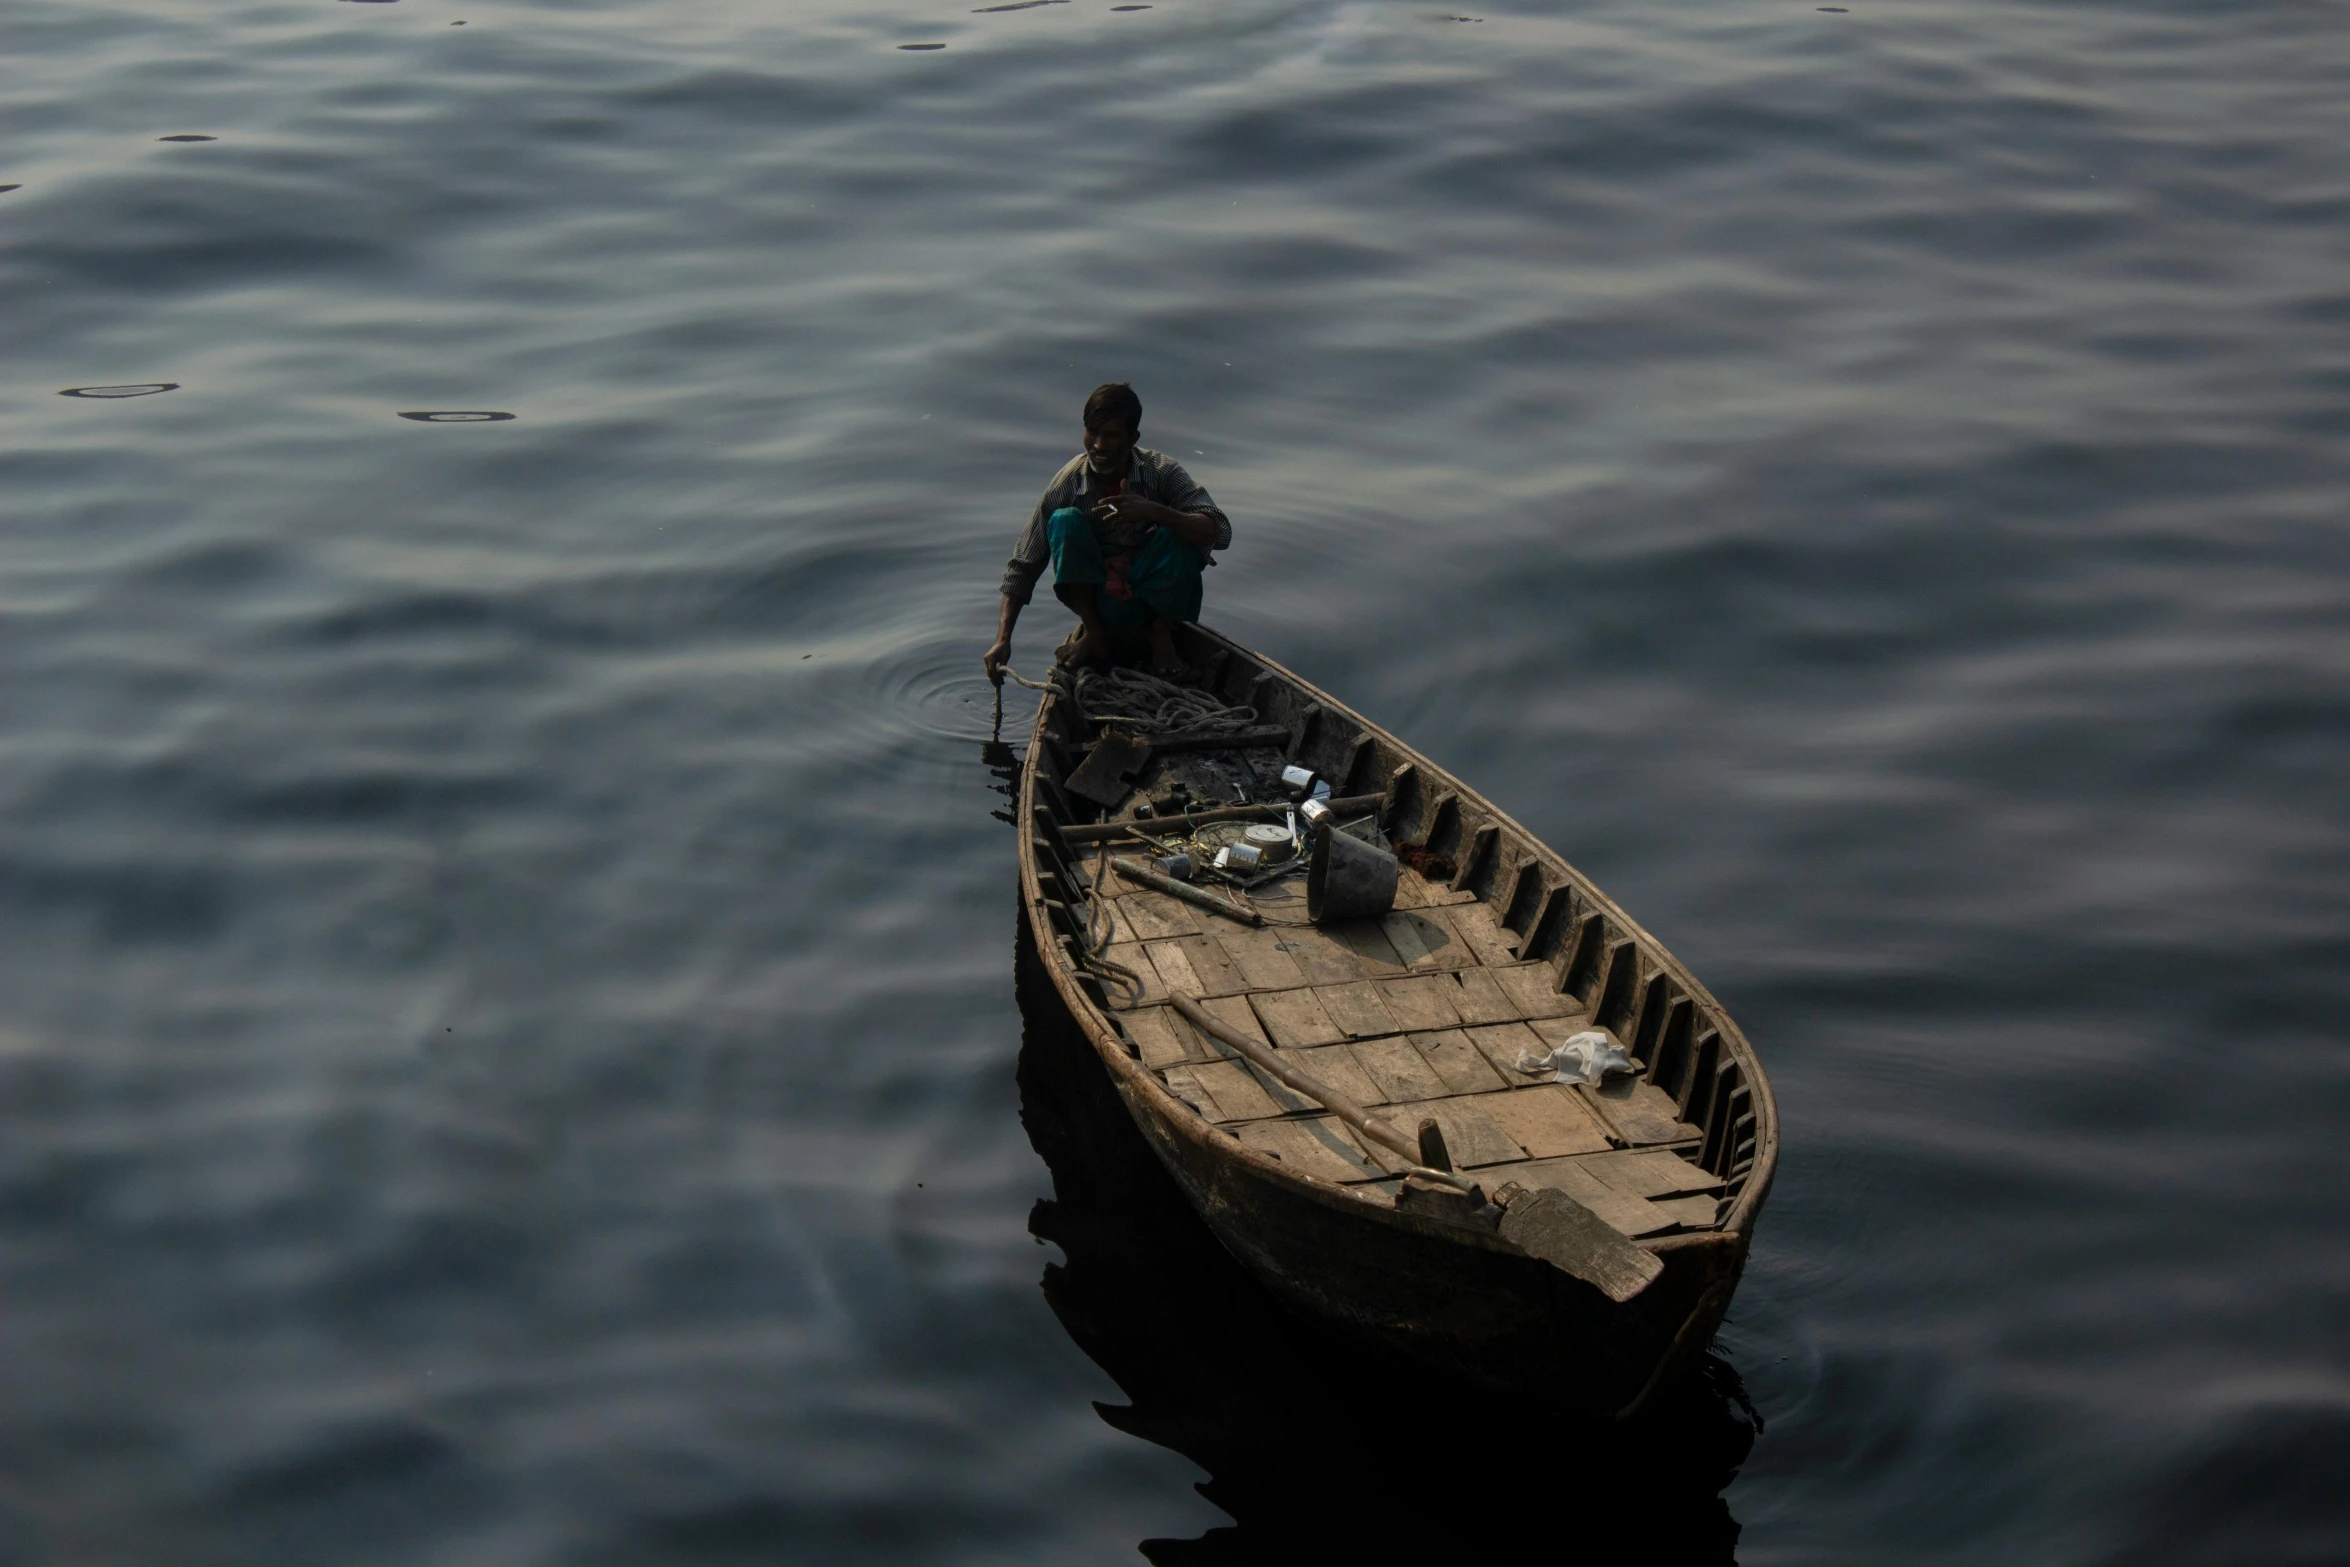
<point>1154,476</point>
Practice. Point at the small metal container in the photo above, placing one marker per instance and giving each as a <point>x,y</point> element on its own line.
<point>1314,811</point>
<point>1178,866</point>
<point>1238,857</point>
<point>1298,778</point>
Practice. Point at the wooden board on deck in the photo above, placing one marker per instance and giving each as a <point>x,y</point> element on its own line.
<point>1535,989</point>
<point>1424,1001</point>
<point>1153,916</point>
<point>1653,1173</point>
<point>1162,1037</point>
<point>1295,1019</point>
<point>1476,924</point>
<point>1620,1210</point>
<point>1401,1072</point>
<point>1424,939</point>
<point>1336,1065</point>
<point>1319,1146</point>
<point>1549,1121</point>
<point>1373,952</point>
<point>1503,1043</point>
<point>1470,1135</point>
<point>1239,1094</point>
<point>1261,959</point>
<point>1455,1060</point>
<point>1357,1009</point>
<point>1480,999</point>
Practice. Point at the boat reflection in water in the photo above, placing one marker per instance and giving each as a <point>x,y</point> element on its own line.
<point>1312,1444</point>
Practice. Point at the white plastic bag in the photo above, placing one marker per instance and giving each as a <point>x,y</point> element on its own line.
<point>1587,1057</point>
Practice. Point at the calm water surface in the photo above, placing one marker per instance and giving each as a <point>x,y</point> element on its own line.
<point>510,1043</point>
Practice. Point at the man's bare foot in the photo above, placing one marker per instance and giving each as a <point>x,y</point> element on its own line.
<point>1087,649</point>
<point>1166,663</point>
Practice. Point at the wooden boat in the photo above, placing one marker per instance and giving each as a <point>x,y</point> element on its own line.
<point>1421,1015</point>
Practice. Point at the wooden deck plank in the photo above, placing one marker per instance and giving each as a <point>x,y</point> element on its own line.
<point>1295,1019</point>
<point>1481,998</point>
<point>1357,1009</point>
<point>1470,1135</point>
<point>1239,1095</point>
<point>1372,950</point>
<point>1401,1072</point>
<point>1336,1065</point>
<point>1640,1112</point>
<point>1481,928</point>
<point>1319,1146</point>
<point>1454,1059</point>
<point>1261,959</point>
<point>1424,939</point>
<point>1231,1011</point>
<point>1218,975</point>
<point>1503,1043</point>
<point>1692,1213</point>
<point>1183,1082</point>
<point>1174,968</point>
<point>1424,1001</point>
<point>1535,989</point>
<point>1153,916</point>
<point>1550,1121</point>
<point>1155,1033</point>
<point>1325,959</point>
<point>1620,1211</point>
<point>1653,1173</point>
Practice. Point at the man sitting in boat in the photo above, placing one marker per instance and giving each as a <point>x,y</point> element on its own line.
<point>1127,532</point>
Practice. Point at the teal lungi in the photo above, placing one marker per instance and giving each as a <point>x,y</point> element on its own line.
<point>1164,576</point>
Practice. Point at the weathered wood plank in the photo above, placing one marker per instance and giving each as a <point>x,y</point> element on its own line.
<point>1570,1237</point>
<point>1550,1121</point>
<point>1621,1211</point>
<point>1691,1213</point>
<point>1174,967</point>
<point>1325,959</point>
<point>1640,1112</point>
<point>1153,916</point>
<point>1534,988</point>
<point>1319,1146</point>
<point>1653,1173</point>
<point>1163,1038</point>
<point>1503,1043</point>
<point>1295,1019</point>
<point>1185,1085</point>
<point>1424,939</point>
<point>1481,999</point>
<point>1260,958</point>
<point>1470,1135</point>
<point>1216,973</point>
<point>1373,952</point>
<point>1424,1001</point>
<point>1401,1072</point>
<point>1337,1066</point>
<point>1231,1011</point>
<point>1239,1094</point>
<point>1476,924</point>
<point>1357,1009</point>
<point>1455,1060</point>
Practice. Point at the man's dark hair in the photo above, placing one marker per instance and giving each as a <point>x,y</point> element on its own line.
<point>1113,402</point>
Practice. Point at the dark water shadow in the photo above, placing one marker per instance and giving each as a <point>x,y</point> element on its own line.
<point>1316,1446</point>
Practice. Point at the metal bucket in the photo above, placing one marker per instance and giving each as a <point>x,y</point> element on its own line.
<point>1347,879</point>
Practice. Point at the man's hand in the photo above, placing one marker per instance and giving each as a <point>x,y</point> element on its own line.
<point>1191,527</point>
<point>994,660</point>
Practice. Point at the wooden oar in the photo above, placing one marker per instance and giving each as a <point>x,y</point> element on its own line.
<point>1544,1222</point>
